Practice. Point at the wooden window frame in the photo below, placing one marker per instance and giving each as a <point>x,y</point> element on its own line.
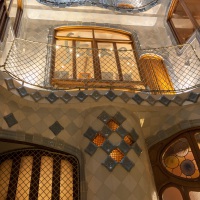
<point>94,45</point>
<point>163,178</point>
<point>189,15</point>
<point>4,18</point>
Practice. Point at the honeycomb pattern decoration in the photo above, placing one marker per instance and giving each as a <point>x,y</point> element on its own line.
<point>116,154</point>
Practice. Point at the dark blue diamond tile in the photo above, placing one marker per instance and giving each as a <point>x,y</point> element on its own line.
<point>107,146</point>
<point>137,149</point>
<point>91,148</point>
<point>119,118</point>
<point>104,117</point>
<point>96,95</point>
<point>66,97</point>
<point>178,100</point>
<point>134,135</point>
<point>193,97</point>
<point>109,163</point>
<point>138,99</point>
<point>81,96</point>
<point>150,100</point>
<point>10,120</point>
<point>90,133</point>
<point>56,128</point>
<point>36,96</point>
<point>164,100</point>
<point>124,97</point>
<point>124,147</point>
<point>22,91</point>
<point>110,95</point>
<point>121,131</point>
<point>127,164</point>
<point>9,83</point>
<point>52,97</point>
<point>106,131</point>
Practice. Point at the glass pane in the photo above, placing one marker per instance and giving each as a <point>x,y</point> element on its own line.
<point>178,159</point>
<point>75,33</point>
<point>24,179</point>
<point>45,183</point>
<point>194,195</point>
<point>194,7</point>
<point>128,63</point>
<point>13,12</point>
<point>197,137</point>
<point>107,61</point>
<point>84,60</point>
<point>66,180</point>
<point>103,34</point>
<point>172,193</point>
<point>5,170</point>
<point>182,24</point>
<point>63,61</point>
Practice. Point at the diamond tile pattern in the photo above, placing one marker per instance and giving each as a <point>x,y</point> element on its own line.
<point>91,148</point>
<point>22,91</point>
<point>9,83</point>
<point>127,164</point>
<point>106,131</point>
<point>96,95</point>
<point>52,97</point>
<point>10,120</point>
<point>134,135</point>
<point>66,97</point>
<point>104,117</point>
<point>56,128</point>
<point>137,99</point>
<point>164,100</point>
<point>90,133</point>
<point>124,147</point>
<point>107,146</point>
<point>178,100</point>
<point>81,96</point>
<point>121,131</point>
<point>150,100</point>
<point>119,118</point>
<point>36,96</point>
<point>124,97</point>
<point>109,163</point>
<point>110,95</point>
<point>193,97</point>
<point>137,149</point>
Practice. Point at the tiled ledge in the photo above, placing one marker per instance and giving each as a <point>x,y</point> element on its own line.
<point>64,97</point>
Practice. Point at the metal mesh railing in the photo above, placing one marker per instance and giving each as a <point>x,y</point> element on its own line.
<point>39,174</point>
<point>163,70</point>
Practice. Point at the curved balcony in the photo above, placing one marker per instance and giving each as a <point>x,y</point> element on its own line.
<point>166,70</point>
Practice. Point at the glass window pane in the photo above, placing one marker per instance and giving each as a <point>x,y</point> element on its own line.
<point>179,160</point>
<point>24,179</point>
<point>5,170</point>
<point>103,34</point>
<point>194,7</point>
<point>128,62</point>
<point>84,60</point>
<point>46,173</point>
<point>66,180</point>
<point>172,193</point>
<point>194,195</point>
<point>75,33</point>
<point>63,60</point>
<point>107,61</point>
<point>182,24</point>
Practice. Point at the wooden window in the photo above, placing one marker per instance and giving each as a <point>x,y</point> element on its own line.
<point>39,175</point>
<point>97,54</point>
<point>184,19</point>
<point>176,163</point>
<point>10,13</point>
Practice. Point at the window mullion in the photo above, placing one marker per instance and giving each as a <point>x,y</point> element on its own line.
<point>35,178</point>
<point>56,179</point>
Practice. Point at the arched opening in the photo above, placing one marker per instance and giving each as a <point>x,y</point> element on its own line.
<point>154,73</point>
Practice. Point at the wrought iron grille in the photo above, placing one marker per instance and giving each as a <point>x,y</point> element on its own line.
<point>163,70</point>
<point>39,174</point>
